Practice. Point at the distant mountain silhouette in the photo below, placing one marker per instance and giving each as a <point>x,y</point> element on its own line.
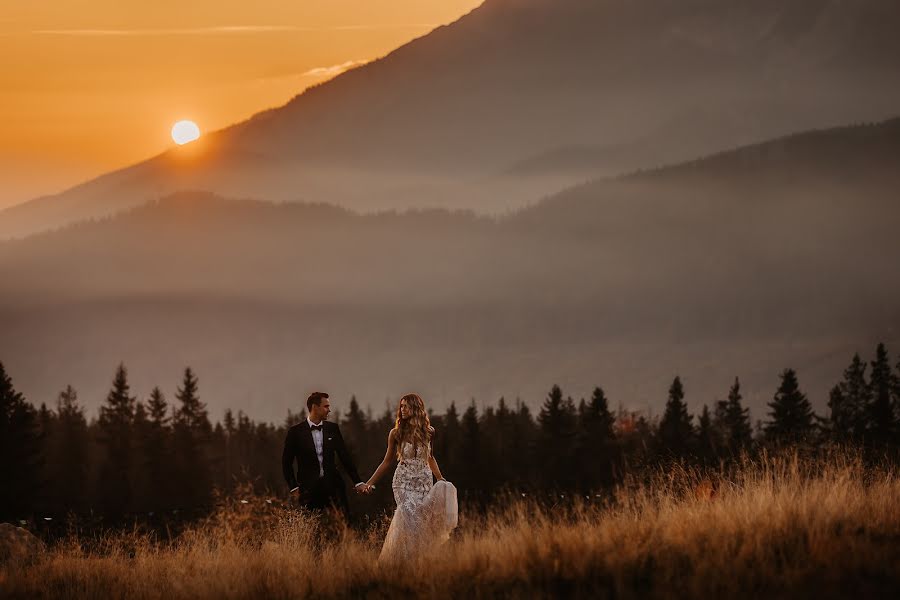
<point>521,98</point>
<point>745,262</point>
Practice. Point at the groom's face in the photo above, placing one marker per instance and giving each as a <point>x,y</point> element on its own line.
<point>320,412</point>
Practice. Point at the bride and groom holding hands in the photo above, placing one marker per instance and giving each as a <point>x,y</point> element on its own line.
<point>426,511</point>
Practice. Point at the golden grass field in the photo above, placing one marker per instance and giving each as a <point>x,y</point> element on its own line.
<point>772,527</point>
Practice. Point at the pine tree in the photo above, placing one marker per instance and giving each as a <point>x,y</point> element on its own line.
<point>471,478</point>
<point>218,457</point>
<point>448,443</point>
<point>598,414</point>
<point>47,502</point>
<point>880,410</point>
<point>497,436</point>
<point>557,423</point>
<point>557,416</point>
<point>229,422</point>
<point>791,417</point>
<point>848,404</point>
<point>46,420</point>
<point>241,444</point>
<point>230,427</point>
<point>521,446</point>
<point>737,420</point>
<point>676,432</point>
<point>158,409</point>
<point>708,443</point>
<point>354,429</point>
<point>597,443</point>
<point>141,484</point>
<point>70,459</point>
<point>158,451</point>
<point>115,424</point>
<point>720,424</point>
<point>20,452</point>
<point>191,413</point>
<point>191,433</point>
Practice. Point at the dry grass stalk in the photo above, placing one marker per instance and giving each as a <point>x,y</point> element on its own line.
<point>777,527</point>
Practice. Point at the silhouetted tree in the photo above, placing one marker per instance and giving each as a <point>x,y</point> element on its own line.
<point>354,429</point>
<point>882,427</point>
<point>114,486</point>
<point>20,452</point>
<point>597,440</point>
<point>175,462</point>
<point>523,436</point>
<point>144,494</point>
<point>791,416</point>
<point>46,424</point>
<point>707,437</point>
<point>470,476</point>
<point>70,458</point>
<point>848,403</point>
<point>191,429</point>
<point>157,451</point>
<point>556,450</point>
<point>497,438</point>
<point>739,433</point>
<point>447,444</point>
<point>676,432</point>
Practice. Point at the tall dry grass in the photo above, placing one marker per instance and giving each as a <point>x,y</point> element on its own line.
<point>774,527</point>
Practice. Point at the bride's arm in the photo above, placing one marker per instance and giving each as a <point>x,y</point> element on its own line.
<point>435,468</point>
<point>433,463</point>
<point>389,458</point>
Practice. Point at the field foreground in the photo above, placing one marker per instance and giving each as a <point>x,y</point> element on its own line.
<point>773,527</point>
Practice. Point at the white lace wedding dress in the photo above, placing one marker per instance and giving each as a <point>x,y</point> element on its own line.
<point>426,513</point>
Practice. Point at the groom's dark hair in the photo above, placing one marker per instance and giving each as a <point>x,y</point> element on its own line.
<point>315,399</point>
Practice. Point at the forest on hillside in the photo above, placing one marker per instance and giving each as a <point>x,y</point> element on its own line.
<point>160,460</point>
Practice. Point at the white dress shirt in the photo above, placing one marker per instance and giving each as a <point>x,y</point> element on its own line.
<point>318,439</point>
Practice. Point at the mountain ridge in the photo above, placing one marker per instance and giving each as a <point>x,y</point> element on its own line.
<point>442,120</point>
<point>622,282</point>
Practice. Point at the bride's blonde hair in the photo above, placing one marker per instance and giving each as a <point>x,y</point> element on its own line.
<point>417,428</point>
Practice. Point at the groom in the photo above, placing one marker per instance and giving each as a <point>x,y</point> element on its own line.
<point>312,444</point>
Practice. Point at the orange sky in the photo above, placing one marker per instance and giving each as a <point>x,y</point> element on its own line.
<point>87,86</point>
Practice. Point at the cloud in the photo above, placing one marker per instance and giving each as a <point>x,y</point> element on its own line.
<point>221,30</point>
<point>386,26</point>
<point>334,69</point>
<point>181,31</point>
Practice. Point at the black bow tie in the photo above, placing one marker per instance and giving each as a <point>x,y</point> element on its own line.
<point>315,427</point>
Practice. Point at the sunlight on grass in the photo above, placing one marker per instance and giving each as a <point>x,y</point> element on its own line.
<point>774,526</point>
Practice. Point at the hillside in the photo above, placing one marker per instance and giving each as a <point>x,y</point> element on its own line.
<point>741,263</point>
<point>521,98</point>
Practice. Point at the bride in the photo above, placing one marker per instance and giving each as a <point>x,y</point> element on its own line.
<point>426,512</point>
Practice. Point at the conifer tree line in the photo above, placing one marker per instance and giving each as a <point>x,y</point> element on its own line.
<point>163,455</point>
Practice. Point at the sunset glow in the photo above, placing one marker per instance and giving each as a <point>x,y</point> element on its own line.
<point>95,84</point>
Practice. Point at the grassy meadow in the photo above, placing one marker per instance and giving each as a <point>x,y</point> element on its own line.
<point>768,527</point>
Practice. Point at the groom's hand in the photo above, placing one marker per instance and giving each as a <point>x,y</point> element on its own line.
<point>295,493</point>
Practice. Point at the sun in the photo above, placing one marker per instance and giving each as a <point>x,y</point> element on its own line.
<point>184,132</point>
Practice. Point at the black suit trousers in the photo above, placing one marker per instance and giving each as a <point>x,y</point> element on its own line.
<point>323,494</point>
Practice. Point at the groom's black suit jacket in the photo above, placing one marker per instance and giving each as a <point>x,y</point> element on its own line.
<point>299,447</point>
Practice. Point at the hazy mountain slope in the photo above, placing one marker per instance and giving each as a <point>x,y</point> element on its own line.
<point>775,255</point>
<point>467,115</point>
